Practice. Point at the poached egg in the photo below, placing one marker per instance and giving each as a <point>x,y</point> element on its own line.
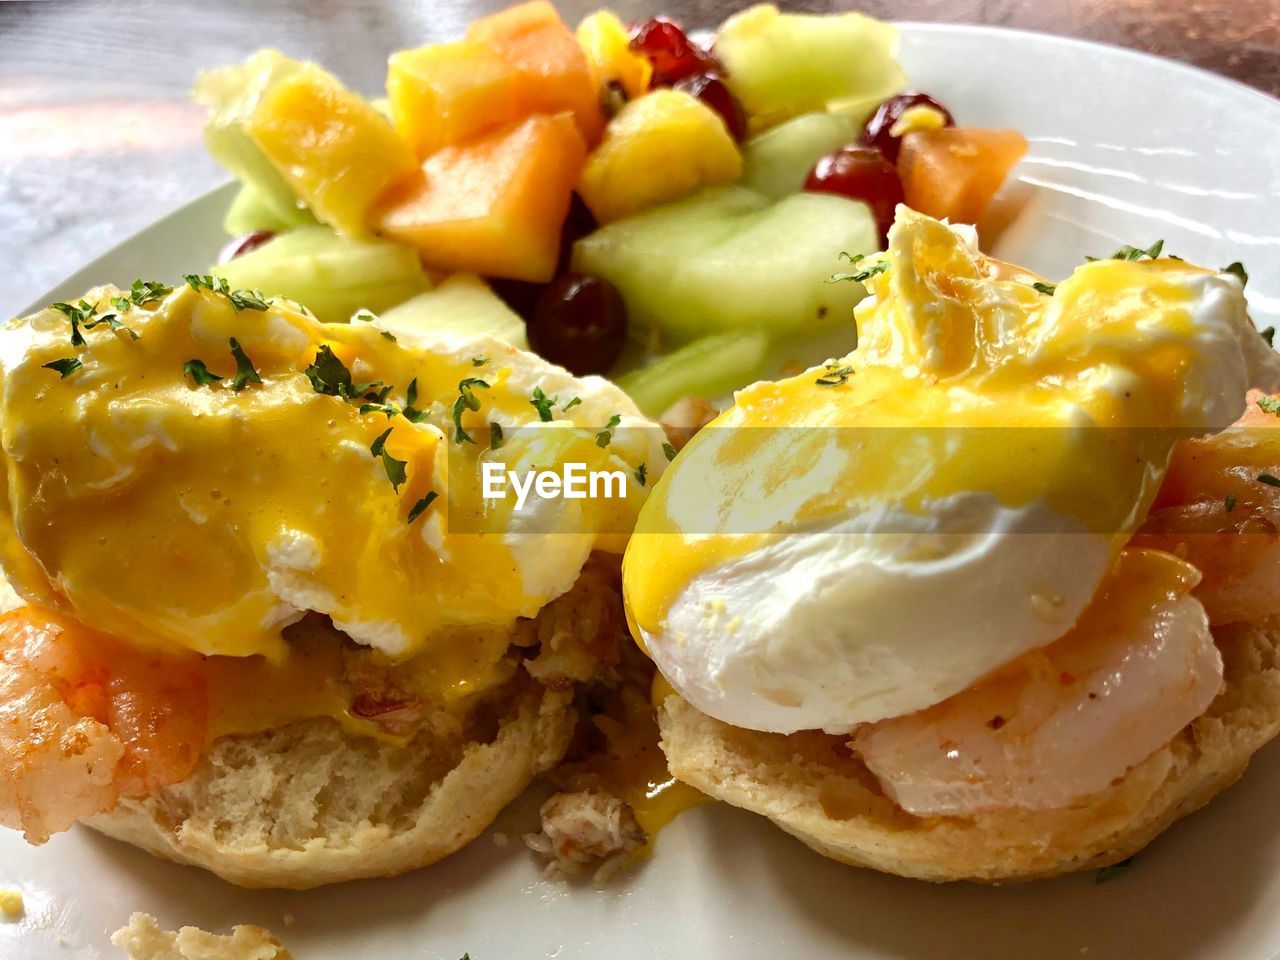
<point>202,472</point>
<point>872,536</point>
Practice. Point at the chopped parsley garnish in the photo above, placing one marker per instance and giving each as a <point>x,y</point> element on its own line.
<point>198,283</point>
<point>1237,270</point>
<point>880,266</point>
<point>670,451</point>
<point>77,313</point>
<point>386,408</point>
<point>112,321</point>
<point>1230,503</point>
<point>642,473</point>
<point>388,335</point>
<point>141,293</point>
<point>835,376</point>
<point>363,315</point>
<point>395,468</point>
<point>467,400</point>
<point>1048,289</point>
<point>245,373</point>
<point>571,404</point>
<point>605,436</point>
<point>1269,335</point>
<point>543,404</point>
<point>1113,871</point>
<point>248,300</point>
<point>239,299</point>
<point>411,412</point>
<point>1269,479</point>
<point>85,314</point>
<point>1128,252</point>
<point>420,507</point>
<point>479,361</point>
<point>495,435</point>
<point>65,366</point>
<point>197,371</point>
<point>1269,405</point>
<point>330,376</point>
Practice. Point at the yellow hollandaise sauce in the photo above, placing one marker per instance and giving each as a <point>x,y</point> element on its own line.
<point>205,466</point>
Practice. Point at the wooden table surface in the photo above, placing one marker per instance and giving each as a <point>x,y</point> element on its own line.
<point>98,138</point>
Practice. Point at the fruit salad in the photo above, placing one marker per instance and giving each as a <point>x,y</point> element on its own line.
<point>635,200</point>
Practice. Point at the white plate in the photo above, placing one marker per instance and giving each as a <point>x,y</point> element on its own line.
<point>1124,149</point>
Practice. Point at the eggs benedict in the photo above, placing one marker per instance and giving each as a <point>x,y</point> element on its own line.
<point>911,604</point>
<point>266,621</point>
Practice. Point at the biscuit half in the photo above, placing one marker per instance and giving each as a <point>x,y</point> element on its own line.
<point>811,785</point>
<point>312,803</point>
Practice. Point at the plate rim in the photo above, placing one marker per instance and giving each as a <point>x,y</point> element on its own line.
<point>1237,87</point>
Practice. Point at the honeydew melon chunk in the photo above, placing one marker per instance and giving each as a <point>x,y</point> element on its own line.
<point>332,276</point>
<point>728,259</point>
<point>232,94</point>
<point>712,367</point>
<point>777,161</point>
<point>251,210</point>
<point>464,305</point>
<point>780,65</point>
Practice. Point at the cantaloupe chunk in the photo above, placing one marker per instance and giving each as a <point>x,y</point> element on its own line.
<point>605,41</point>
<point>553,70</point>
<point>334,149</point>
<point>446,93</point>
<point>658,148</point>
<point>955,171</point>
<point>494,205</point>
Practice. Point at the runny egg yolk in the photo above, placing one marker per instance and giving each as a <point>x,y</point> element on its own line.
<point>207,515</point>
<point>967,381</point>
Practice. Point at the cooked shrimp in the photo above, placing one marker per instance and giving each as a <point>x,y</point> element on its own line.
<point>85,720</point>
<point>1062,722</point>
<point>1215,512</point>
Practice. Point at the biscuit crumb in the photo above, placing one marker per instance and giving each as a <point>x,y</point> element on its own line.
<point>143,939</point>
<point>586,830</point>
<point>11,904</point>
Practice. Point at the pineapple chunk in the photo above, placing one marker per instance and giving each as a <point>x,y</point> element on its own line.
<point>604,40</point>
<point>334,149</point>
<point>446,93</point>
<point>658,148</point>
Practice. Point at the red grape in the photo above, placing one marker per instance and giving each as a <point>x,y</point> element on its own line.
<point>711,89</point>
<point>580,322</point>
<point>673,55</point>
<point>876,132</point>
<point>238,246</point>
<point>860,173</point>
